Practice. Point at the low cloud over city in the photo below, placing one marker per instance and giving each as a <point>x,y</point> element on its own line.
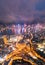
<point>22,10</point>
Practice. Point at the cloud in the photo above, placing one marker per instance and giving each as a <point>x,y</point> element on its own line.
<point>17,10</point>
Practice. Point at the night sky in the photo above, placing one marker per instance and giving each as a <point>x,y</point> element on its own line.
<point>22,10</point>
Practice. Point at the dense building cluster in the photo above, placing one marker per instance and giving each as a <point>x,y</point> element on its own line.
<point>13,34</point>
<point>20,29</point>
<point>37,30</point>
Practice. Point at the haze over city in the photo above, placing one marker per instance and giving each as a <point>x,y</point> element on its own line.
<point>22,10</point>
